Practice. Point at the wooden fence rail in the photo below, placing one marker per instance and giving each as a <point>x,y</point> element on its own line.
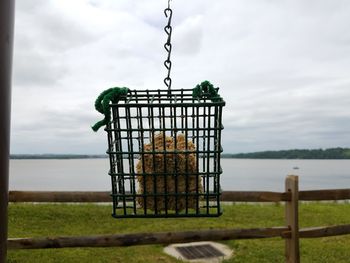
<point>229,196</point>
<point>146,238</point>
<point>290,232</point>
<point>171,237</point>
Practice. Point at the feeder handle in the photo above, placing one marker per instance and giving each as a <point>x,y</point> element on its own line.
<point>168,30</point>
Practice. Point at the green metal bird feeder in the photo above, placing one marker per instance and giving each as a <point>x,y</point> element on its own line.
<point>164,148</point>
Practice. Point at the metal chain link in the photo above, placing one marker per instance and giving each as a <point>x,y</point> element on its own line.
<point>168,30</point>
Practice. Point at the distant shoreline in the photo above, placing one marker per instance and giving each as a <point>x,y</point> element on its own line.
<point>313,154</point>
<point>317,154</point>
<point>56,156</point>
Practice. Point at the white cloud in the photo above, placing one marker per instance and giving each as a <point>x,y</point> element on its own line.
<point>282,67</point>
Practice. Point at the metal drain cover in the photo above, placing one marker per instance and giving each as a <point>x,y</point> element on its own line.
<point>199,252</point>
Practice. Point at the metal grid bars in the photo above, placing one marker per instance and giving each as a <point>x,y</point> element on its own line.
<point>164,152</point>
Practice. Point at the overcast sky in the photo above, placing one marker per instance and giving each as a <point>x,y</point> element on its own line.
<point>282,67</point>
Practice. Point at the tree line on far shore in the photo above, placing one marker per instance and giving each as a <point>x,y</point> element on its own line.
<point>56,156</point>
<point>331,153</point>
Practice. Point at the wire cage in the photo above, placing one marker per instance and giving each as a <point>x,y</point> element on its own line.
<point>164,150</point>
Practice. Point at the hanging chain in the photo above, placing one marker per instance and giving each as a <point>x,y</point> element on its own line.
<point>168,30</point>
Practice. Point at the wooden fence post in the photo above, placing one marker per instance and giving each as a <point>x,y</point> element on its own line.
<point>292,220</point>
<point>6,46</point>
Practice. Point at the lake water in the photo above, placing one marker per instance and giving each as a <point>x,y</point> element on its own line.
<point>239,174</point>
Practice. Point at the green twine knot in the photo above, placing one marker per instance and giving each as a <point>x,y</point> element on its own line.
<point>207,90</point>
<point>102,104</point>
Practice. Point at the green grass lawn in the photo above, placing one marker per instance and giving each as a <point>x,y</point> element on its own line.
<point>28,220</point>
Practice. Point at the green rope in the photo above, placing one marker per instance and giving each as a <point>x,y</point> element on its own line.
<point>102,104</point>
<point>206,89</point>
